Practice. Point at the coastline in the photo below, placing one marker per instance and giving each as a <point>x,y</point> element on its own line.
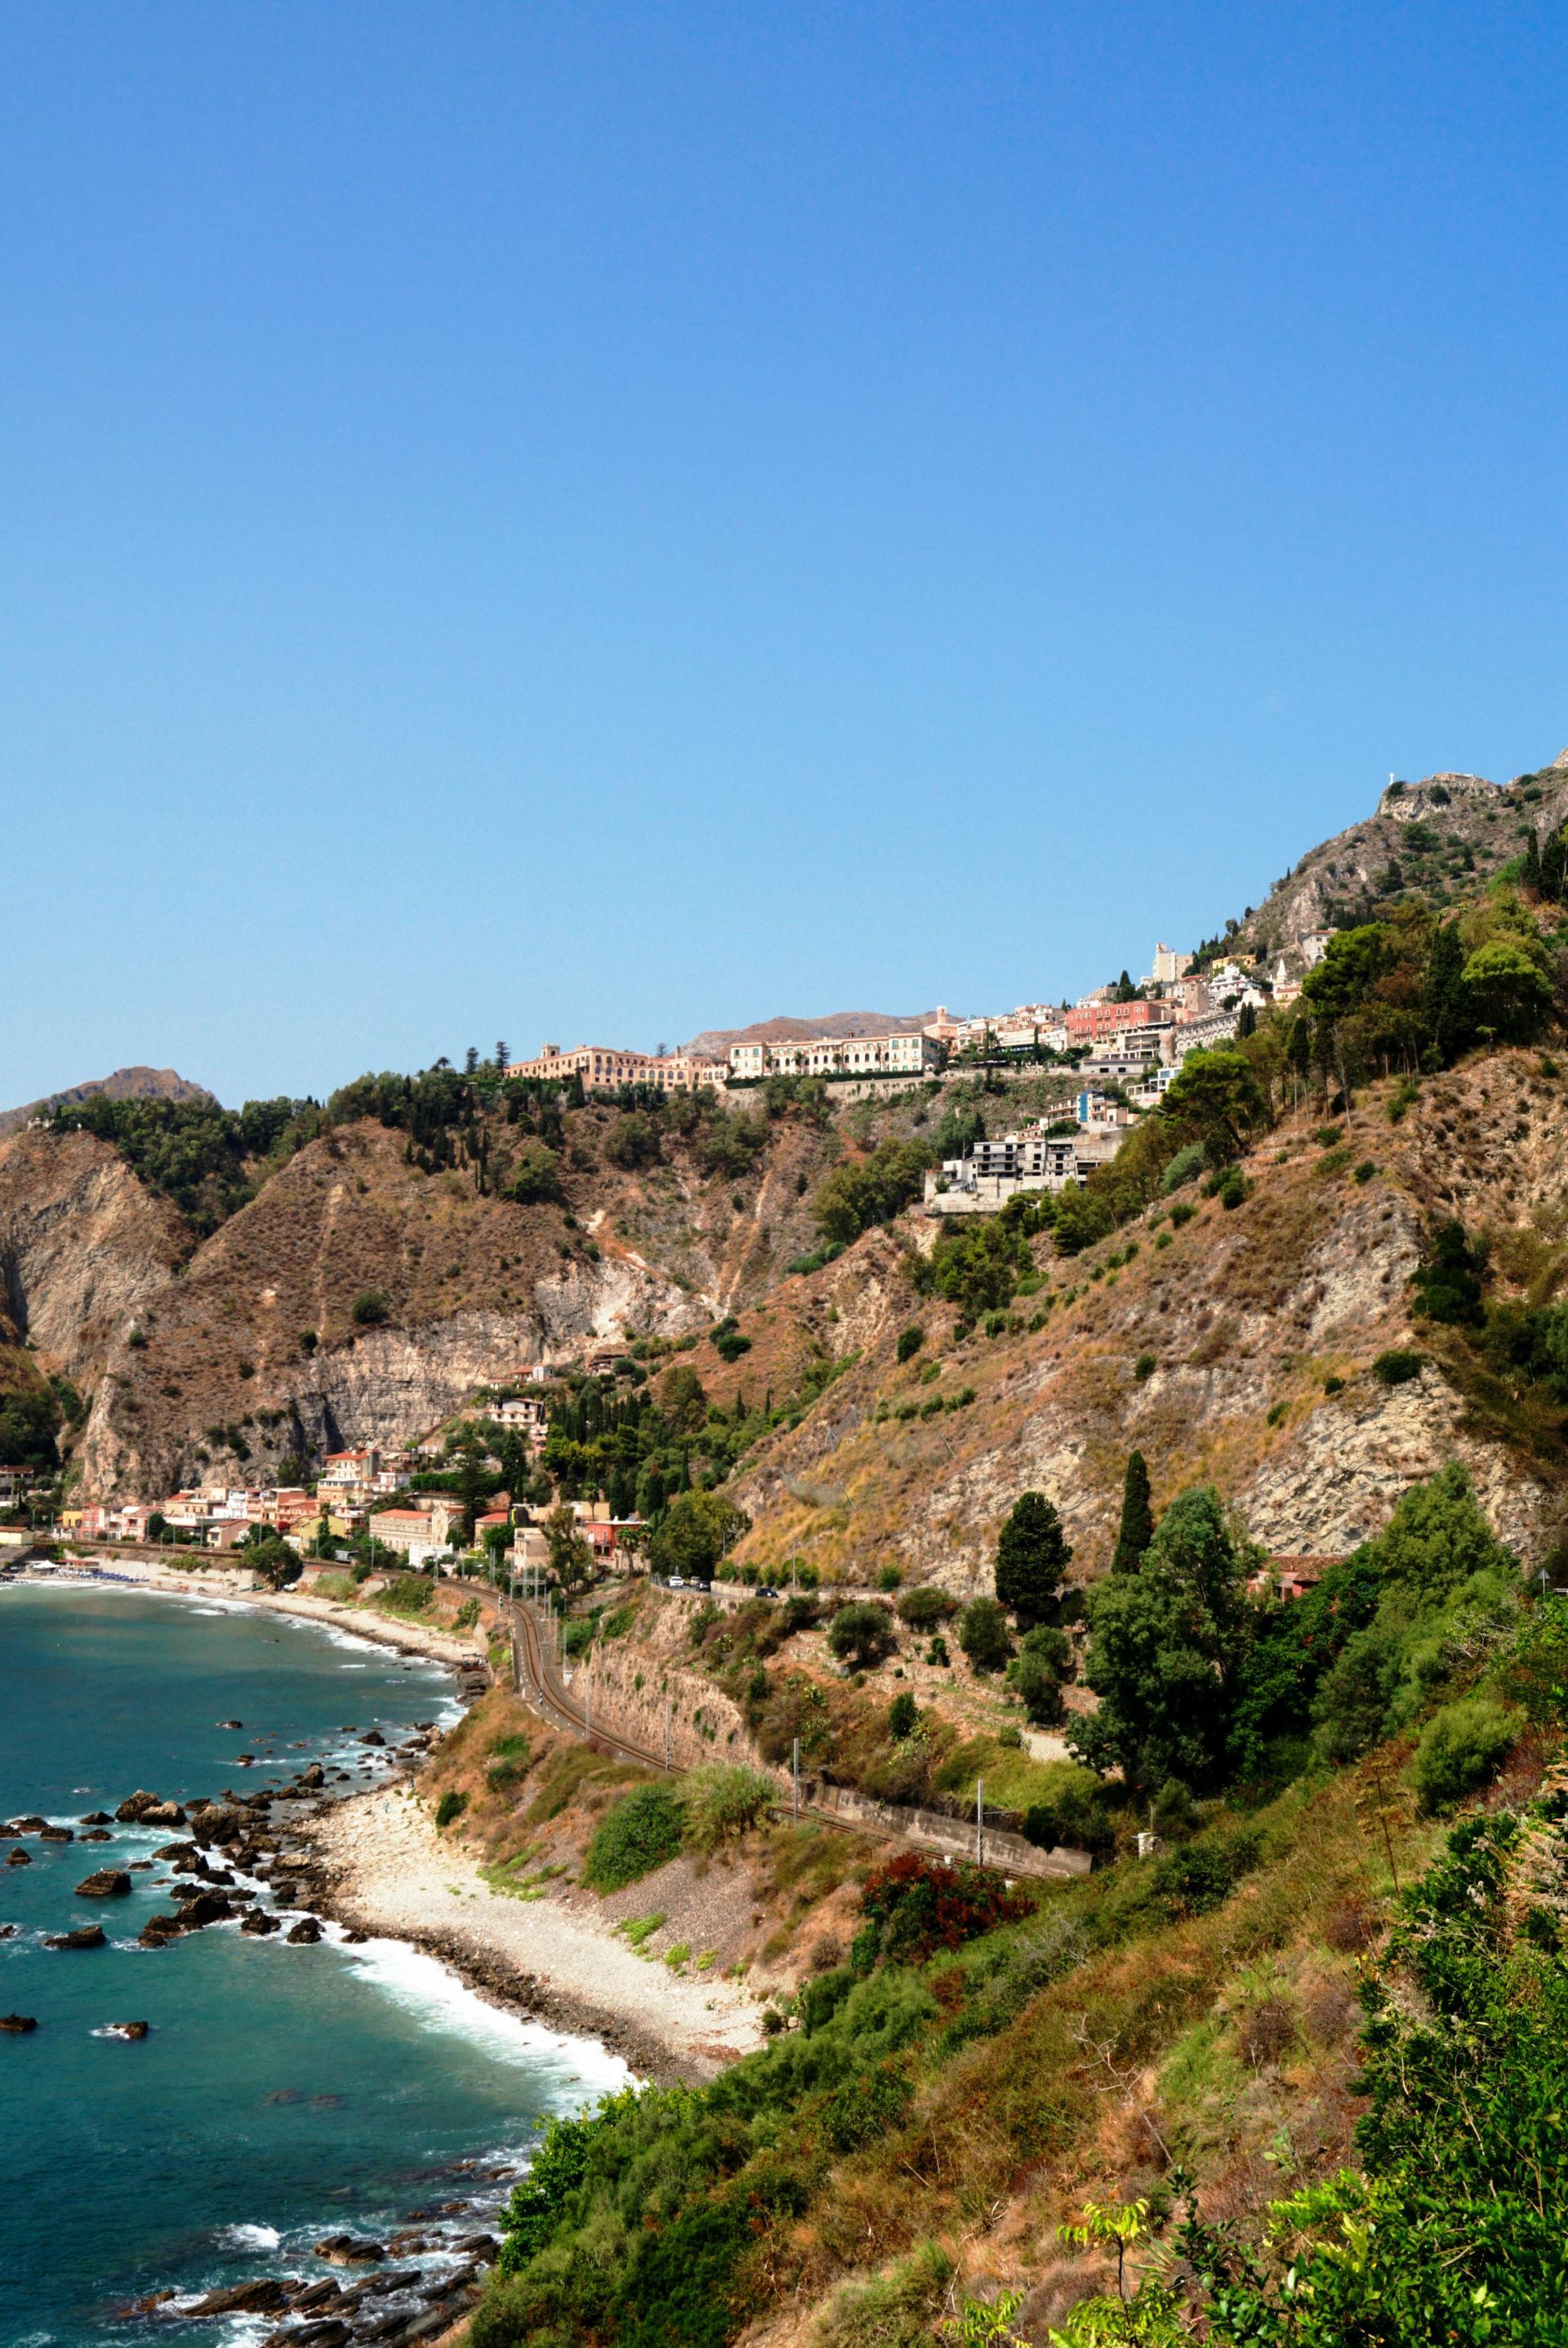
<point>387,1872</point>
<point>457,1653</point>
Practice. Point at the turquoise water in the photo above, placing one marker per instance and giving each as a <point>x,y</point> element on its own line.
<point>283,2092</point>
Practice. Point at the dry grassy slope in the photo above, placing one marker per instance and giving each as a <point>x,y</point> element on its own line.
<point>1491,821</point>
<point>1245,1314</point>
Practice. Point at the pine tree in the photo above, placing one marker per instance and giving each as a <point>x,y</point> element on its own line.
<point>1136,1528</point>
<point>1032,1556</point>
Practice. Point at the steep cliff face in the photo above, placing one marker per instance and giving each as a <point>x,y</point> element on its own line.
<point>84,1251</point>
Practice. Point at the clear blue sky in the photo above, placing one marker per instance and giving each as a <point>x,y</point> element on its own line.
<point>590,521</point>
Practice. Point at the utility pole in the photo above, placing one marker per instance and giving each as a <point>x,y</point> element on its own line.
<point>980,1822</point>
<point>667,1733</point>
<point>795,1783</point>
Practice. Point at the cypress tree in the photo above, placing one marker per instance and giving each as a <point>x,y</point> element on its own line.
<point>1136,1528</point>
<point>1447,1014</point>
<point>1032,1556</point>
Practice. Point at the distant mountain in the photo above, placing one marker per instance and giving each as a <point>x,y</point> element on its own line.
<point>126,1083</point>
<point>715,1041</point>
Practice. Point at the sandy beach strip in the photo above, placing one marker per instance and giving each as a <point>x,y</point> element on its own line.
<point>392,1875</point>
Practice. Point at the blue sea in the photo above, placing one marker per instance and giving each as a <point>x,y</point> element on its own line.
<point>283,2092</point>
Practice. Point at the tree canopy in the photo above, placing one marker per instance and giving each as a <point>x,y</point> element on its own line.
<point>1032,1555</point>
<point>1165,1649</point>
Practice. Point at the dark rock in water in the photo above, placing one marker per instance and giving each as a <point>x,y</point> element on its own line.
<point>409,2244</point>
<point>16,2025</point>
<point>56,1834</point>
<point>94,1818</point>
<point>203,1907</point>
<point>128,2029</point>
<point>28,1825</point>
<point>306,1933</point>
<point>176,1850</point>
<point>97,1834</point>
<point>262,2297</point>
<point>478,2246</point>
<point>19,1857</point>
<point>231,1724</point>
<point>258,1921</point>
<point>372,1737</point>
<point>244,1760</point>
<point>315,1775</point>
<point>86,1936</point>
<point>159,1929</point>
<point>330,2334</point>
<point>350,2250</point>
<point>353,1938</point>
<point>136,1806</point>
<point>109,1884</point>
<point>139,1866</point>
<point>7,1931</point>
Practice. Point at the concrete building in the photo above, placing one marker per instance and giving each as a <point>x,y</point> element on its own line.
<point>1168,967</point>
<point>420,1533</point>
<point>526,1415</point>
<point>1014,1164</point>
<point>913,1054</point>
<point>1092,1022</point>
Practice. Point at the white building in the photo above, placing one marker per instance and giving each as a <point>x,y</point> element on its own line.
<point>909,1055</point>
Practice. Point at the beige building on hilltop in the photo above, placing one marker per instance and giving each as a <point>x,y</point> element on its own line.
<point>909,1055</point>
<point>600,1067</point>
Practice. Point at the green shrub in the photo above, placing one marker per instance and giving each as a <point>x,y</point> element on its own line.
<point>725,1800</point>
<point>861,1634</point>
<point>411,1593</point>
<point>1461,1747</point>
<point>507,1762</point>
<point>1185,1166</point>
<point>1366,1170</point>
<point>369,1309</point>
<point>1202,1875</point>
<point>1183,1211</point>
<point>910,1341</point>
<point>902,1714</point>
<point>451,1806</point>
<point>1073,1815</point>
<point>1398,1366</point>
<point>1536,1673</point>
<point>641,1832</point>
<point>1145,1366</point>
<point>924,1607</point>
<point>984,1636</point>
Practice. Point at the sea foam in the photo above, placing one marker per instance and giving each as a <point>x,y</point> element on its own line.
<point>428,1989</point>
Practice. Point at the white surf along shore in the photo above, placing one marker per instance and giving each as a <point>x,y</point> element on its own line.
<point>396,1876</point>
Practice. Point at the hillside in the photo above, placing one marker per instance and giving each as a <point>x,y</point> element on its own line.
<point>126,1083</point>
<point>242,1349</point>
<point>1438,839</point>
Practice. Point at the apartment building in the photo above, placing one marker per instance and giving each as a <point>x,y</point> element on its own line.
<point>910,1054</point>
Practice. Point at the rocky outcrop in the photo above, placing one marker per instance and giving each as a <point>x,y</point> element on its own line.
<point>107,1883</point>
